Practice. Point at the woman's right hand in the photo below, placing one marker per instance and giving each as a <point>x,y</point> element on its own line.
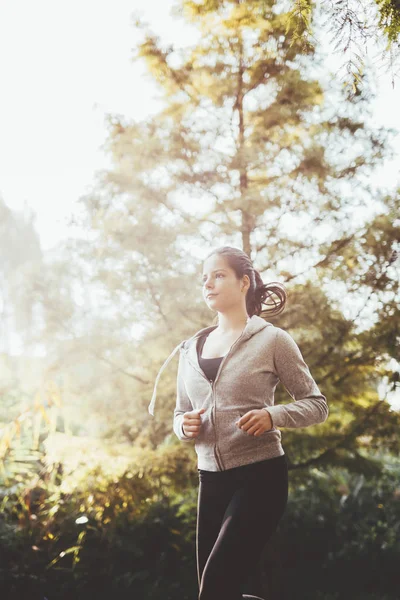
<point>192,422</point>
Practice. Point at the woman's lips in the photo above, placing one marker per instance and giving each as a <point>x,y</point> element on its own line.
<point>211,295</point>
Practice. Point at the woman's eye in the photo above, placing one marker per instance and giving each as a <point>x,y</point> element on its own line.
<point>217,275</point>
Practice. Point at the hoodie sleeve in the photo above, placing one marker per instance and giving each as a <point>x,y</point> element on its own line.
<point>183,404</point>
<point>310,406</point>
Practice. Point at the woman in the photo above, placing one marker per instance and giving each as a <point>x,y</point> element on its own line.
<point>227,375</point>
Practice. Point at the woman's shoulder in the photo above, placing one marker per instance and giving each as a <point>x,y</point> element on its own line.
<point>275,338</point>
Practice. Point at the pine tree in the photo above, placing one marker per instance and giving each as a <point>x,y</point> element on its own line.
<point>270,163</point>
<point>356,30</point>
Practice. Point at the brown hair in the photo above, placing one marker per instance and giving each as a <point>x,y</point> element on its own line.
<point>258,292</point>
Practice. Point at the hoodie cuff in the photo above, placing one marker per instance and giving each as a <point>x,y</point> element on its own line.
<point>179,431</point>
<point>278,415</point>
<point>183,433</point>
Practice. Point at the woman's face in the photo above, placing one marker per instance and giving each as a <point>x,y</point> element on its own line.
<point>220,281</point>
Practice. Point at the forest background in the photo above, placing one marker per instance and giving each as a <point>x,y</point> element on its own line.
<point>256,144</point>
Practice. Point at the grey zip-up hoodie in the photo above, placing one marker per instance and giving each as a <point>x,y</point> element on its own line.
<point>246,379</point>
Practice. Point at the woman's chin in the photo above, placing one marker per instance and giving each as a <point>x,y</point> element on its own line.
<point>211,301</point>
<point>214,307</point>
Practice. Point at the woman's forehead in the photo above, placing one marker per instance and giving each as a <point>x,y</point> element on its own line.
<point>215,262</point>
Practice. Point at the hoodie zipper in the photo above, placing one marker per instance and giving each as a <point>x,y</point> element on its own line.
<point>212,384</point>
<point>210,381</point>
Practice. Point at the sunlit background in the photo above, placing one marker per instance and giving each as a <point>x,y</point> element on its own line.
<point>64,67</point>
<point>90,484</point>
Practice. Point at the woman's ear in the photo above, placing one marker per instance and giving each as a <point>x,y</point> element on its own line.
<point>245,283</point>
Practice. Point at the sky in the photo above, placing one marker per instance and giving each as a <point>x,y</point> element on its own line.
<point>63,66</point>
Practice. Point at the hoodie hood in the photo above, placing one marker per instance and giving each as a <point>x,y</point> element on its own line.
<point>253,326</point>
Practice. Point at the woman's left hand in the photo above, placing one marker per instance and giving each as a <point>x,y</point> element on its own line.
<point>255,422</point>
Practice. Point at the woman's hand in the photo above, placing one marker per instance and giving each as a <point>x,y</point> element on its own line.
<point>255,422</point>
<point>192,422</point>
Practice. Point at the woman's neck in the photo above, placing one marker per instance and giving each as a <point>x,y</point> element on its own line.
<point>228,324</point>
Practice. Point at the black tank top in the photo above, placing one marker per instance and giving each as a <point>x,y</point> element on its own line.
<point>209,366</point>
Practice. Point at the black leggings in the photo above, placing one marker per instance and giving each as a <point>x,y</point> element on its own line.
<point>238,510</point>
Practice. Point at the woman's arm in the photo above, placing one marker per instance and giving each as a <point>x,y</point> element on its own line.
<point>310,406</point>
<point>183,405</point>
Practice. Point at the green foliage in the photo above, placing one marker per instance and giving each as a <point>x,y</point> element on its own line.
<point>104,533</point>
<point>345,528</point>
<point>389,18</point>
<point>352,26</point>
<point>299,24</point>
<point>134,534</point>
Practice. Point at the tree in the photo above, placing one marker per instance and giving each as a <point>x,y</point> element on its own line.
<point>355,27</point>
<point>250,136</point>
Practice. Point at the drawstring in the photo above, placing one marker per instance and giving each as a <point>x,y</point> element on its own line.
<point>180,345</point>
<point>153,399</point>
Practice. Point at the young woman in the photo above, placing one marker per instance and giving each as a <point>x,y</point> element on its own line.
<point>227,375</point>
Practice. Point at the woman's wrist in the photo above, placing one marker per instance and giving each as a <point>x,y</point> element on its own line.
<point>270,416</point>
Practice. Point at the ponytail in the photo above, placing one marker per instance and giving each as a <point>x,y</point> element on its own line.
<point>261,293</point>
